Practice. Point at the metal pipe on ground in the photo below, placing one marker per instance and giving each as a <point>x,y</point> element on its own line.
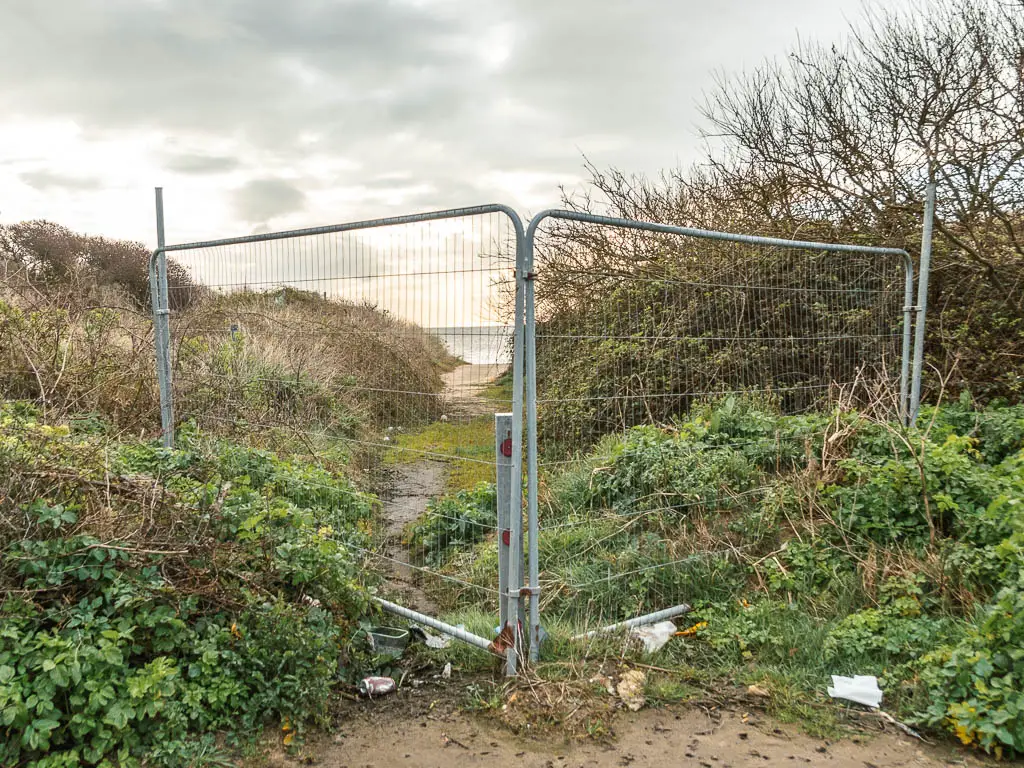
<point>421,618</point>
<point>639,621</point>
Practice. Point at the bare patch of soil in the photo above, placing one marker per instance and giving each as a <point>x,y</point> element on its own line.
<point>410,488</point>
<point>421,727</point>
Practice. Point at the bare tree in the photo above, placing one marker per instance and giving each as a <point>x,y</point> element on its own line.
<point>838,143</point>
<point>852,134</point>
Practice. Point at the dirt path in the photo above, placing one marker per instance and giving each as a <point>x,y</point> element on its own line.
<point>464,385</point>
<point>411,486</point>
<point>419,729</point>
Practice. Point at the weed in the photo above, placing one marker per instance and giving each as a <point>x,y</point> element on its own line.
<point>467,446</point>
<point>454,522</point>
<point>810,545</point>
<point>119,640</point>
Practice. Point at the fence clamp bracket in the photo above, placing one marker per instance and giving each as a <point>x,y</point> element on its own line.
<point>524,592</point>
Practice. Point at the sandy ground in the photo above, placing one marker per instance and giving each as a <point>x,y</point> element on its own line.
<point>430,733</point>
<point>463,387</point>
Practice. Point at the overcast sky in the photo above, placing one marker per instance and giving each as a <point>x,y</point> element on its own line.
<point>283,113</point>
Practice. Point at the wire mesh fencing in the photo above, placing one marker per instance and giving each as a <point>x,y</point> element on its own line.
<point>382,347</point>
<point>651,350</point>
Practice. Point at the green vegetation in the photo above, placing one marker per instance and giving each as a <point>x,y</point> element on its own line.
<point>809,545</point>
<point>453,523</point>
<point>466,443</point>
<point>467,446</point>
<point>154,601</point>
<point>152,596</point>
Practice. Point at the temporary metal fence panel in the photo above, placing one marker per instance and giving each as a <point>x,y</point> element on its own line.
<point>631,323</point>
<point>308,336</point>
<point>387,343</point>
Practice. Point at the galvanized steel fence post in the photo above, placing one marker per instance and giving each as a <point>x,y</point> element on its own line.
<point>509,547</point>
<point>922,299</point>
<point>161,325</point>
<point>532,482</point>
<point>514,607</point>
<point>503,488</point>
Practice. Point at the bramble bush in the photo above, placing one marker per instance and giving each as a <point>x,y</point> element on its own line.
<point>152,596</point>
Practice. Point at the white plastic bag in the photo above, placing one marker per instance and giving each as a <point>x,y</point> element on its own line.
<point>862,689</point>
<point>654,636</point>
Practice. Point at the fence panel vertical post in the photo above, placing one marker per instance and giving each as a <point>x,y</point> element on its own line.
<point>503,486</point>
<point>514,611</point>
<point>161,325</point>
<point>532,484</point>
<point>908,322</point>
<point>922,299</point>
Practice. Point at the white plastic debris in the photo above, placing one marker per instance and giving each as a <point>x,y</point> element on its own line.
<point>862,689</point>
<point>654,636</point>
<point>446,673</point>
<point>436,641</point>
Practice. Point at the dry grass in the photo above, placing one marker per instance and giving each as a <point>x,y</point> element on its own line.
<point>287,362</point>
<point>79,349</point>
<point>295,346</point>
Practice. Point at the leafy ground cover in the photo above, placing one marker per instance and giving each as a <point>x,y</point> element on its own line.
<point>809,545</point>
<point>152,598</point>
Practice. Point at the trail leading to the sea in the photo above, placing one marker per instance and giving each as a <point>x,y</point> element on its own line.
<point>412,486</point>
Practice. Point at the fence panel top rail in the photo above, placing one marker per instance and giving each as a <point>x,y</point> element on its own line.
<point>706,234</point>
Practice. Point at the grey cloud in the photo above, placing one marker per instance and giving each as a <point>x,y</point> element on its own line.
<point>388,181</point>
<point>194,64</point>
<point>197,164</point>
<point>46,181</point>
<point>263,199</point>
<point>402,88</point>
